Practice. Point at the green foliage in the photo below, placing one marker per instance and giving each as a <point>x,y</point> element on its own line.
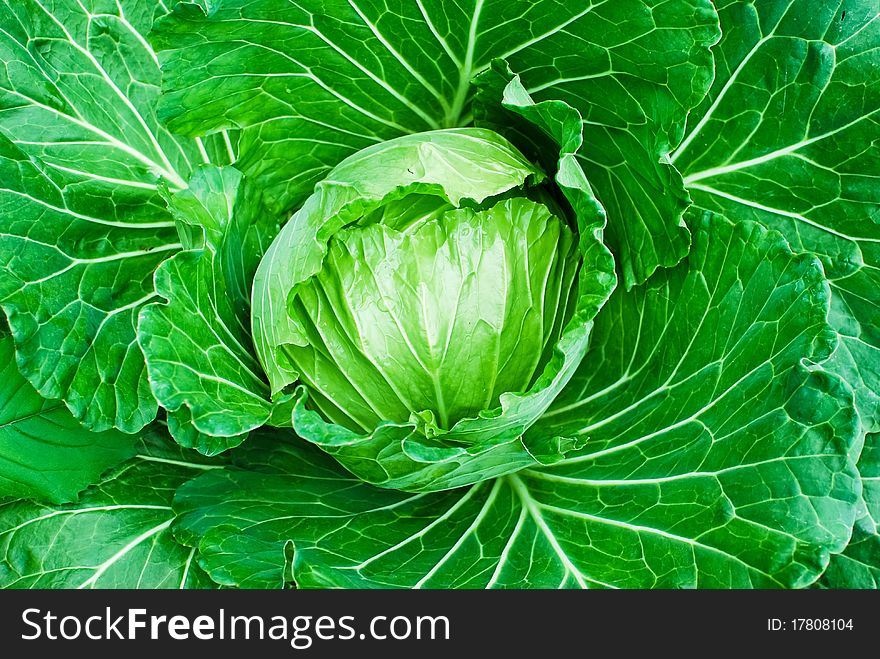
<point>490,294</point>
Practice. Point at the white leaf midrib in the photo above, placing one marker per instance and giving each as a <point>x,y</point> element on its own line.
<point>790,149</point>
<point>106,565</point>
<point>83,511</point>
<point>167,168</point>
<point>530,505</point>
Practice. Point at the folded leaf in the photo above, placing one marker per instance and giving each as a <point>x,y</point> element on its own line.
<point>858,566</point>
<point>115,536</point>
<point>45,453</point>
<point>198,347</point>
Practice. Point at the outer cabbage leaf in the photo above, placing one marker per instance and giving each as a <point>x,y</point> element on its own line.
<point>115,536</point>
<point>313,82</point>
<point>45,453</point>
<point>789,135</point>
<point>198,346</point>
<point>82,224</point>
<point>717,455</point>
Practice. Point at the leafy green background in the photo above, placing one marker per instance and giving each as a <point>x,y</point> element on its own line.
<point>719,450</point>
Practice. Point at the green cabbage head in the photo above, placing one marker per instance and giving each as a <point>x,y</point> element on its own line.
<point>426,304</point>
